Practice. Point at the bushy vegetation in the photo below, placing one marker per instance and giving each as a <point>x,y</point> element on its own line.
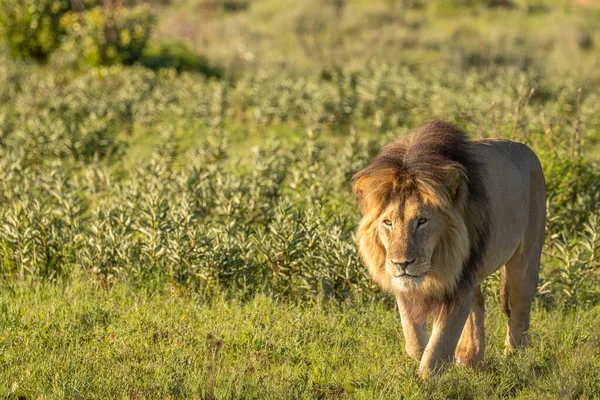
<point>278,217</point>
<point>228,192</point>
<point>107,35</point>
<point>178,56</point>
<point>32,27</point>
<point>86,32</point>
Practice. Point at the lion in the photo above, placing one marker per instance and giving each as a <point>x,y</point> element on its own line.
<point>440,213</point>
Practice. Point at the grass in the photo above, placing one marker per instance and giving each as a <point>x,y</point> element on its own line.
<point>76,340</point>
<point>313,35</point>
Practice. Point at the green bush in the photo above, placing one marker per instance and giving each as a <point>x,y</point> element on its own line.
<point>88,34</point>
<point>178,56</point>
<point>225,5</point>
<point>478,3</point>
<point>31,28</point>
<point>573,189</point>
<point>106,35</point>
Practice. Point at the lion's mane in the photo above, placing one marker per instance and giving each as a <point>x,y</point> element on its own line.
<point>437,163</point>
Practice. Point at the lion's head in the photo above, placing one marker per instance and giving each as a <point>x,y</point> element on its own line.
<point>424,213</point>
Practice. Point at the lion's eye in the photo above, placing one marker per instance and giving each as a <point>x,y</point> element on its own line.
<point>387,222</point>
<point>421,221</point>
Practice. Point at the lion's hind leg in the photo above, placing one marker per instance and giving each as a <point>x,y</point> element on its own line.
<point>522,274</point>
<point>471,346</point>
<point>522,270</point>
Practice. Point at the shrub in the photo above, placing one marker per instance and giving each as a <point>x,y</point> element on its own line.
<point>231,6</point>
<point>32,28</point>
<point>573,189</point>
<point>485,3</point>
<point>88,33</point>
<point>107,35</point>
<point>576,260</point>
<point>179,56</point>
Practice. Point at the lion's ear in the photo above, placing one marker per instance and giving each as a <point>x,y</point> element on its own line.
<point>359,191</point>
<point>454,180</point>
<point>359,186</point>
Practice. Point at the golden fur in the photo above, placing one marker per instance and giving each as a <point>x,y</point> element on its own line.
<point>434,163</point>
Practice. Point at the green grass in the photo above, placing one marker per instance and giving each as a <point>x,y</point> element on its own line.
<point>76,340</point>
<point>312,35</point>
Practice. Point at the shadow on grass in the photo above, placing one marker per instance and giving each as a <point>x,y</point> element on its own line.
<point>178,56</point>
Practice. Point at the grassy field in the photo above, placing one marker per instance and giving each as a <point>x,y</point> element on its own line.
<point>188,232</point>
<point>80,341</point>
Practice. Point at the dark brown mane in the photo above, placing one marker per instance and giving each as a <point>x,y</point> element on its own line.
<point>437,160</point>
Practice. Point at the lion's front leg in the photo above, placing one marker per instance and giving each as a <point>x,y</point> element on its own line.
<point>415,335</point>
<point>471,346</point>
<point>447,328</point>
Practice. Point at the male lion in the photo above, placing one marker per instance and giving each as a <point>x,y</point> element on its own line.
<point>441,213</point>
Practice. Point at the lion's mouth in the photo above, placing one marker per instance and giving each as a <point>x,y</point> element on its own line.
<point>406,275</point>
<point>408,281</point>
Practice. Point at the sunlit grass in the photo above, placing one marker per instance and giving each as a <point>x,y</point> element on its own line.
<point>77,340</point>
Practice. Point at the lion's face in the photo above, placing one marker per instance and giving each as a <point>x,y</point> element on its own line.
<point>409,231</point>
<point>424,213</point>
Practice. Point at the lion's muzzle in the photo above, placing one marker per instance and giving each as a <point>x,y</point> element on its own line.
<point>399,267</point>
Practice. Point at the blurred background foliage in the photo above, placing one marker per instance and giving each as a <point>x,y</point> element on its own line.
<point>209,144</point>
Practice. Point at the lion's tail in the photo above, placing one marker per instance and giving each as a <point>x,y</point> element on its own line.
<point>504,292</point>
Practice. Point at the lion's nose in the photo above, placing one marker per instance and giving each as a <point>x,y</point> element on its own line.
<point>401,263</point>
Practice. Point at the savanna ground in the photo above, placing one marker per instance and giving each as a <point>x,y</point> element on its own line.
<point>183,227</point>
